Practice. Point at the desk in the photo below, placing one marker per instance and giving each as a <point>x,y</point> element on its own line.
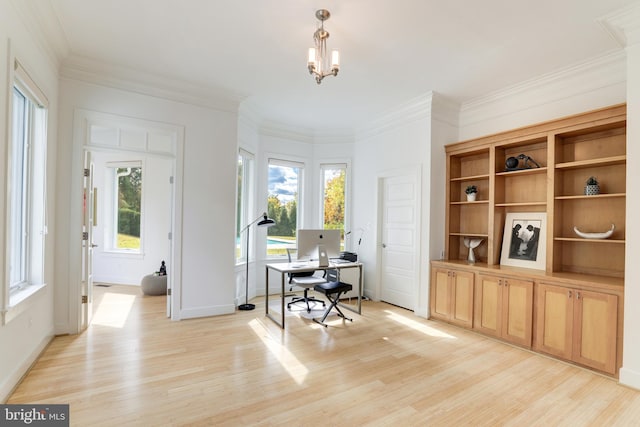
<point>301,267</point>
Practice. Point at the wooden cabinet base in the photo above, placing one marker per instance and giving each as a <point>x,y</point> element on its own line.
<point>574,317</point>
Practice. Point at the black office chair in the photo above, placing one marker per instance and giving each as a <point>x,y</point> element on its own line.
<point>305,280</point>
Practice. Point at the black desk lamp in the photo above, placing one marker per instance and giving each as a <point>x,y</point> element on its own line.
<point>266,222</point>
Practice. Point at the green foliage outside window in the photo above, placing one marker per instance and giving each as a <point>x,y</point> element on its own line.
<point>129,201</point>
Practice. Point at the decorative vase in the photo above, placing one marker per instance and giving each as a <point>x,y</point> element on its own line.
<point>471,197</point>
<point>592,189</point>
<point>471,243</point>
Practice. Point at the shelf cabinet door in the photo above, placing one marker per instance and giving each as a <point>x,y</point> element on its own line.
<point>452,296</point>
<point>440,295</point>
<point>517,311</point>
<point>595,330</point>
<point>554,329</point>
<point>462,299</point>
<point>488,319</point>
<point>505,309</point>
<point>578,325</point>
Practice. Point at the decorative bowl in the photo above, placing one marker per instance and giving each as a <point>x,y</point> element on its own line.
<point>603,235</point>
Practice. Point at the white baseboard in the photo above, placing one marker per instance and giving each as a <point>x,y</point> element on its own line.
<point>218,310</point>
<point>630,378</point>
<point>14,379</point>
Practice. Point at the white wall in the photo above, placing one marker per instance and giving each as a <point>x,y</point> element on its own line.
<point>129,268</point>
<point>397,142</point>
<point>24,337</point>
<point>208,193</point>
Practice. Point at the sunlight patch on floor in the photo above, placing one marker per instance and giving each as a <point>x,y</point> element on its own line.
<point>420,327</point>
<point>113,310</point>
<point>289,362</point>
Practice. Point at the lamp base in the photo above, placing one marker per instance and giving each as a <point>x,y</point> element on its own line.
<point>246,306</point>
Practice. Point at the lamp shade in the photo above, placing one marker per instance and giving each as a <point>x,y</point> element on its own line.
<point>266,222</point>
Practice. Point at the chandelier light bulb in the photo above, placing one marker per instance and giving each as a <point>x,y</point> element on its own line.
<point>335,60</point>
<point>312,57</point>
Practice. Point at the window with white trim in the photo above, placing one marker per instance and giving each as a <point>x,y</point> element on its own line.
<point>333,179</point>
<point>26,188</point>
<point>124,200</point>
<point>244,201</point>
<point>285,196</point>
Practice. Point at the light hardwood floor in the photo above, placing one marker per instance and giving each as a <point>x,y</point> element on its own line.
<point>133,366</point>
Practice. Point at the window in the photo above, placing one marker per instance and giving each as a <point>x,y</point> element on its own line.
<point>285,190</point>
<point>333,179</point>
<point>26,187</point>
<point>244,203</point>
<point>124,232</point>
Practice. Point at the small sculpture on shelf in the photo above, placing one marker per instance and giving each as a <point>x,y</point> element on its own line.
<point>598,235</point>
<point>592,188</point>
<point>472,243</point>
<point>472,192</point>
<point>163,269</point>
<point>513,163</point>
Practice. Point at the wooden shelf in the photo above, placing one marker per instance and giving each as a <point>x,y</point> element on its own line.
<point>596,197</point>
<point>523,171</point>
<point>580,239</point>
<point>486,236</point>
<point>606,161</point>
<point>470,178</point>
<point>475,202</point>
<point>521,204</point>
<point>569,150</point>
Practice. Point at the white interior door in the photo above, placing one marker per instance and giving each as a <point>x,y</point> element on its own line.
<point>88,216</point>
<point>399,249</point>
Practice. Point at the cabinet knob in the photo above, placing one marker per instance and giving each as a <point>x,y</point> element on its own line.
<point>569,294</point>
<point>577,295</point>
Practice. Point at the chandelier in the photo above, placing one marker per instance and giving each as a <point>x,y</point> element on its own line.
<point>318,63</point>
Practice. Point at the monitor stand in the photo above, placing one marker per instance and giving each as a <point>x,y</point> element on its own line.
<point>323,259</point>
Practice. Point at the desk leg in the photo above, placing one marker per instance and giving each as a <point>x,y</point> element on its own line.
<point>282,297</point>
<point>359,306</point>
<point>266,300</point>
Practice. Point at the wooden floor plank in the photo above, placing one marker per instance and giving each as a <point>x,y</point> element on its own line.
<point>386,368</point>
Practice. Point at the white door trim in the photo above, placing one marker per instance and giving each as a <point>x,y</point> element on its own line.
<point>81,143</point>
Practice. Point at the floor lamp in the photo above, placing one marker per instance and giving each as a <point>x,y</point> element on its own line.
<point>265,222</point>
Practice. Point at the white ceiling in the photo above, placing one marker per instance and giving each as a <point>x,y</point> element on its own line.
<point>391,51</point>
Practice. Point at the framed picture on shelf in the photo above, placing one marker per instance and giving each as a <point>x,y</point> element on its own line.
<point>524,240</point>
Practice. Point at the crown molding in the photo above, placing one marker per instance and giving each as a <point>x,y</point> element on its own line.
<point>41,22</point>
<point>117,77</point>
<point>418,108</point>
<point>252,117</point>
<point>445,110</point>
<point>588,76</point>
<point>623,25</point>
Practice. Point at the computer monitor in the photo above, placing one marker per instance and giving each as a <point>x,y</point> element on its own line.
<point>309,239</point>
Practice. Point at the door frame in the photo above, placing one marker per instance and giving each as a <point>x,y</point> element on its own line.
<point>81,143</point>
<point>416,172</point>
